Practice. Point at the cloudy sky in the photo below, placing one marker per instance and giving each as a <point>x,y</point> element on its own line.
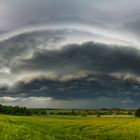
<point>70,53</point>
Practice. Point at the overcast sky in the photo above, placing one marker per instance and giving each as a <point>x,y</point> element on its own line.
<point>70,53</point>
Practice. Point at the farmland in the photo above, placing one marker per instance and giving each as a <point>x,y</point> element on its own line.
<point>68,128</point>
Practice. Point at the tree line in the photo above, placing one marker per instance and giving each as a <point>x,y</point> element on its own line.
<point>23,111</point>
<point>15,110</point>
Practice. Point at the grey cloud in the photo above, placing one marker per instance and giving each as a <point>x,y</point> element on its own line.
<point>84,88</point>
<point>127,101</point>
<point>91,86</point>
<point>132,27</point>
<point>88,56</point>
<point>101,61</point>
<point>14,50</point>
<point>19,12</point>
<point>23,45</point>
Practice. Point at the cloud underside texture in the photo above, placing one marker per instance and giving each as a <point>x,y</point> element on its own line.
<point>88,56</point>
<point>78,71</point>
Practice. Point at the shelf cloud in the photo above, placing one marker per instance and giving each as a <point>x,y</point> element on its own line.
<point>54,52</point>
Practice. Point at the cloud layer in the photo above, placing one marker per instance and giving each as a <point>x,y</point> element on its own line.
<point>70,51</point>
<point>86,57</point>
<point>78,72</point>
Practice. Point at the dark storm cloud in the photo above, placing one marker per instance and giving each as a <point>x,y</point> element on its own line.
<point>23,45</point>
<point>17,49</point>
<point>91,86</point>
<point>88,56</point>
<point>98,59</point>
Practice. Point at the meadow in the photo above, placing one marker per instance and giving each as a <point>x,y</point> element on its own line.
<point>68,128</point>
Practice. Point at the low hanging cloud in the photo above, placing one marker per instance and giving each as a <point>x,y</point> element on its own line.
<point>89,56</point>
<point>91,86</point>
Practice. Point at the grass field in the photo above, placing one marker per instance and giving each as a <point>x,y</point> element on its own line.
<point>68,128</point>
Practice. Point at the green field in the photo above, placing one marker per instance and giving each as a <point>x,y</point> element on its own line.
<point>68,128</point>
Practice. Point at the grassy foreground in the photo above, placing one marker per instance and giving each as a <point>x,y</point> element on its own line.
<point>68,128</point>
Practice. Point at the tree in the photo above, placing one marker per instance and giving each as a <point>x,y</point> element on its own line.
<point>137,112</point>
